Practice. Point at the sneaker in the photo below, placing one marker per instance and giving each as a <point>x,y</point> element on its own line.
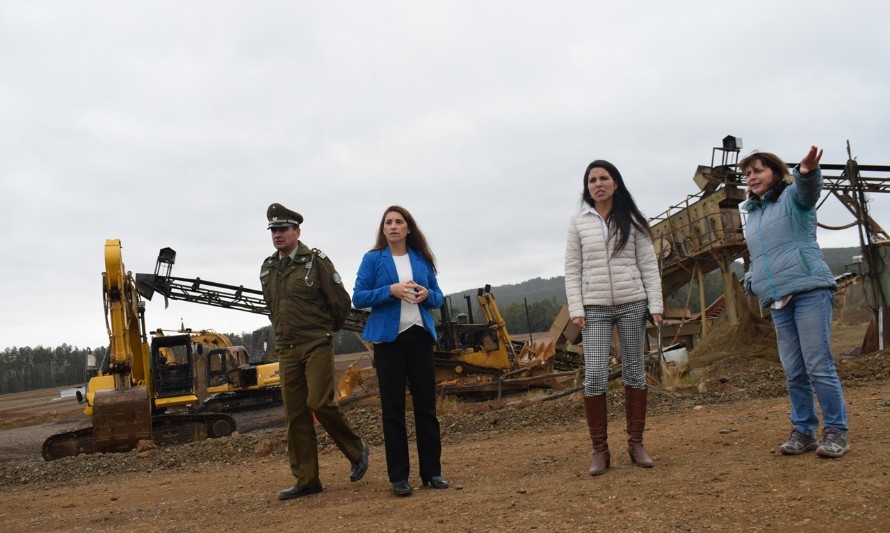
<point>798,443</point>
<point>834,443</point>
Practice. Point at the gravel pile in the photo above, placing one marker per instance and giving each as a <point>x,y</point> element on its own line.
<point>730,380</point>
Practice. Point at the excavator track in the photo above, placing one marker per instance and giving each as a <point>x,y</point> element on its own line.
<point>237,400</point>
<point>166,429</point>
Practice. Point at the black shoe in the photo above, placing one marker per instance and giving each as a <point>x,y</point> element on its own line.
<point>402,488</point>
<point>297,492</point>
<point>436,482</point>
<point>361,466</point>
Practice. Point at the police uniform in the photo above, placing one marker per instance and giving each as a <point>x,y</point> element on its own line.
<point>308,303</point>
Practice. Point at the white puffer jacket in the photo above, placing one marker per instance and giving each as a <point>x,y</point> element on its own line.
<point>595,277</point>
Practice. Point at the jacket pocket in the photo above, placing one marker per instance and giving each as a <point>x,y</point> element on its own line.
<point>636,279</point>
<point>804,264</point>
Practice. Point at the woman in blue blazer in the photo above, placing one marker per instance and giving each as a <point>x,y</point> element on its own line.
<point>397,280</point>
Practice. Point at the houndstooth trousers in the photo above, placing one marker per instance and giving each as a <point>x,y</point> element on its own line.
<point>597,339</point>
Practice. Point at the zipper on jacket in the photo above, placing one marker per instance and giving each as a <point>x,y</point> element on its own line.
<point>606,237</point>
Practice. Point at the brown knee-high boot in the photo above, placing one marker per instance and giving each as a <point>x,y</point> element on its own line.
<point>635,406</point>
<point>597,421</point>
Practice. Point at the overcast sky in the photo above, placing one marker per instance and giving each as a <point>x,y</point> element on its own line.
<point>177,124</point>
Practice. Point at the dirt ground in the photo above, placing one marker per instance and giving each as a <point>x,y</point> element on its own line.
<point>513,465</point>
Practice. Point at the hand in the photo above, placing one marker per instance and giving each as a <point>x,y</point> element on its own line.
<point>420,292</point>
<point>579,322</point>
<point>408,292</point>
<point>811,160</point>
<point>657,319</point>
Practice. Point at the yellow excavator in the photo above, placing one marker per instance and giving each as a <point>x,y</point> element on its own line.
<point>227,379</point>
<point>136,395</point>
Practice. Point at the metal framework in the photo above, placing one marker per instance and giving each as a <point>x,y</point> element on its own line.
<point>705,231</point>
<point>238,297</point>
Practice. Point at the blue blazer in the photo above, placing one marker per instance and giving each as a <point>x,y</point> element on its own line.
<point>376,273</point>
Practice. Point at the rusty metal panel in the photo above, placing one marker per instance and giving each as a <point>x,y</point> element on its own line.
<point>696,235</point>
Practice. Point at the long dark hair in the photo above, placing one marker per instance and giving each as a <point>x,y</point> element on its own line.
<point>624,210</point>
<point>415,240</point>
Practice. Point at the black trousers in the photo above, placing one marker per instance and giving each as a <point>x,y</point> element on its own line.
<point>408,360</point>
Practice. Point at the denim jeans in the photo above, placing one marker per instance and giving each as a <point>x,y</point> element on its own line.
<point>803,330</point>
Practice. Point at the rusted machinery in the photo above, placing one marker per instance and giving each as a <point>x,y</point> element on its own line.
<point>705,232</point>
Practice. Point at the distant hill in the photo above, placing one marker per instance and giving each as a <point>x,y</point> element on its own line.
<point>533,290</point>
<point>840,260</point>
<point>553,289</point>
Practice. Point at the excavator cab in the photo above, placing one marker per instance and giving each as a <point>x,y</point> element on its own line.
<point>172,363</point>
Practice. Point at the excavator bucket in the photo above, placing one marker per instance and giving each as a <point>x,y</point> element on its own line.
<point>121,418</point>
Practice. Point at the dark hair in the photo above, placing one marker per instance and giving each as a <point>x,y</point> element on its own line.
<point>415,239</point>
<point>624,210</point>
<point>772,162</point>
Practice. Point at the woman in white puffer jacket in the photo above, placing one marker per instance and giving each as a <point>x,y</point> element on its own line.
<point>612,279</point>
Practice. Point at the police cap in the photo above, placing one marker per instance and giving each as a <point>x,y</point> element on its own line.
<point>280,216</point>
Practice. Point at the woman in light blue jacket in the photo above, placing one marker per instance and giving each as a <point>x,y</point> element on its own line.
<point>397,280</point>
<point>789,275</point>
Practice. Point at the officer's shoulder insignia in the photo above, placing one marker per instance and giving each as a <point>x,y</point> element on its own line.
<point>319,253</point>
<point>264,273</point>
<point>337,278</point>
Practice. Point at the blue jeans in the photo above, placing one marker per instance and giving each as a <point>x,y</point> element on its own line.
<point>803,330</point>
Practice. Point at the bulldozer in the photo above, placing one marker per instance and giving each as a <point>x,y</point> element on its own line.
<point>480,358</point>
<point>142,390</point>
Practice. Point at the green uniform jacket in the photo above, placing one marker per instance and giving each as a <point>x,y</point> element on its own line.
<point>306,297</point>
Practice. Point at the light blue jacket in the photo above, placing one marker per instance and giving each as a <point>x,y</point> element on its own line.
<point>376,273</point>
<point>781,238</point>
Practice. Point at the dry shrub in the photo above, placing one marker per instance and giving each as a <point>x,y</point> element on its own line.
<point>447,404</point>
<point>672,374</point>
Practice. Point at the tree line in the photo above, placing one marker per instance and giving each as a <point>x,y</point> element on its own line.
<point>26,368</point>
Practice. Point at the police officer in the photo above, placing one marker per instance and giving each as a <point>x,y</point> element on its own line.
<point>308,303</point>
